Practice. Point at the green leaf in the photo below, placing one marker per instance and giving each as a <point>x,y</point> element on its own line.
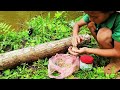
<point>7,72</point>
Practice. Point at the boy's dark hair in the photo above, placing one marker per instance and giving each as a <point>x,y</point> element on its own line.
<point>108,11</point>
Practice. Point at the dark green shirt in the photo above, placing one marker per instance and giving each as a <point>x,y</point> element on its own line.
<point>113,23</point>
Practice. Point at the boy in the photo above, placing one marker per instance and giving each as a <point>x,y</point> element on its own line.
<point>105,28</point>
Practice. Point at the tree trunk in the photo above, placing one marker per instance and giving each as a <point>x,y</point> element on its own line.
<point>29,54</point>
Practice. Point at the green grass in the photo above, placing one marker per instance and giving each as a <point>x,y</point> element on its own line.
<point>45,30</point>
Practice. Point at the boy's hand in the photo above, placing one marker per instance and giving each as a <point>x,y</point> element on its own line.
<point>74,48</point>
<point>76,51</point>
<point>80,50</point>
<point>76,40</point>
<point>70,50</point>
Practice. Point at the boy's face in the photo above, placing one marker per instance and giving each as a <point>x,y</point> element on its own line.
<point>97,16</point>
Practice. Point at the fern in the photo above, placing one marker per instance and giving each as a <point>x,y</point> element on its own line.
<point>5,27</point>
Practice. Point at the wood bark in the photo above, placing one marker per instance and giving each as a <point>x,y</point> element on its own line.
<point>30,54</point>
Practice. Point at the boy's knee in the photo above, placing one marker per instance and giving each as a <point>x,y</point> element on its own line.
<point>104,35</point>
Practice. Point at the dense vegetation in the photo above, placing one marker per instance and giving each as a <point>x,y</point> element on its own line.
<point>44,30</point>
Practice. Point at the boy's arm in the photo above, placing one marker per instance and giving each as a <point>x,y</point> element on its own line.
<point>77,26</point>
<point>115,52</point>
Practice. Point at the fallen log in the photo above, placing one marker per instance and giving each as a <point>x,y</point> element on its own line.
<point>29,54</point>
